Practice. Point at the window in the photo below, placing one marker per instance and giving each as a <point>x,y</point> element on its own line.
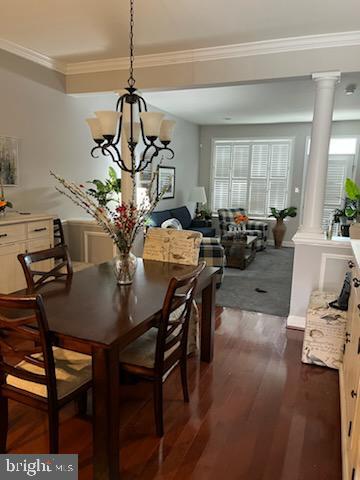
<point>342,154</point>
<point>253,175</point>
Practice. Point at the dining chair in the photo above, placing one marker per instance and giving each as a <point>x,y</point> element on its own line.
<point>177,246</point>
<point>59,237</point>
<point>57,260</point>
<point>153,355</point>
<point>43,376</point>
<point>59,240</point>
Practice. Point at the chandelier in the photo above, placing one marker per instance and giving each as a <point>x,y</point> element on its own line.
<point>150,128</point>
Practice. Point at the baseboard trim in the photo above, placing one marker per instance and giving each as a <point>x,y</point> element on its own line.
<point>344,452</point>
<point>296,322</point>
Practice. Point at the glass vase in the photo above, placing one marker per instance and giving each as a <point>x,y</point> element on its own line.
<point>125,267</point>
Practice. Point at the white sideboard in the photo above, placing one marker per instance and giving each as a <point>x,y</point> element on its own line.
<point>20,234</point>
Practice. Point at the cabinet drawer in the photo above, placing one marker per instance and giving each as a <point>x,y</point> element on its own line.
<point>12,233</point>
<point>39,229</point>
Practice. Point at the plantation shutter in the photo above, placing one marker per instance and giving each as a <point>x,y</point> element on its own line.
<point>251,175</point>
<point>258,179</point>
<point>240,172</point>
<point>339,168</point>
<point>278,175</point>
<point>222,167</point>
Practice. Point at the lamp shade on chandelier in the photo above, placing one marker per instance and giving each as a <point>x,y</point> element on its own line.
<point>148,130</point>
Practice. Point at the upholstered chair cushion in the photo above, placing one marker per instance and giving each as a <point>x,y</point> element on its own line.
<point>72,370</point>
<point>141,352</point>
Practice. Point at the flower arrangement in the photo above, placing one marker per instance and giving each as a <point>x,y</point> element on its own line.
<point>4,204</point>
<point>122,222</point>
<point>241,218</point>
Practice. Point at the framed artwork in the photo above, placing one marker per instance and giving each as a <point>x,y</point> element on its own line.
<point>9,156</point>
<point>166,177</point>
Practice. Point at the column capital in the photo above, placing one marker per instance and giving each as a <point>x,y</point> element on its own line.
<point>334,76</point>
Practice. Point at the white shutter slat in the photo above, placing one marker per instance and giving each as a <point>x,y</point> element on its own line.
<point>220,194</point>
<point>222,161</point>
<point>238,194</point>
<point>259,160</point>
<point>277,194</point>
<point>257,197</point>
<point>335,183</point>
<point>240,156</point>
<point>279,162</point>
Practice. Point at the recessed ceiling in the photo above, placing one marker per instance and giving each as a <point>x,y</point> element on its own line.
<point>271,102</point>
<point>80,30</point>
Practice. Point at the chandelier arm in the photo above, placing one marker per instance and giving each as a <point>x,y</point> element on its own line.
<point>94,149</point>
<point>119,161</point>
<point>116,139</point>
<point>144,163</point>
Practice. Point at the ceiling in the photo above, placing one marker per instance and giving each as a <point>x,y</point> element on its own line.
<point>81,30</point>
<point>270,102</point>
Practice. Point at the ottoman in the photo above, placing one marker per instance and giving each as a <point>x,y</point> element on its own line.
<point>325,328</point>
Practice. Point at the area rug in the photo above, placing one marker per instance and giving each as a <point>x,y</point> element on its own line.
<point>265,285</point>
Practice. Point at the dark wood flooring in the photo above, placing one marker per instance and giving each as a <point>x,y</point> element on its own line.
<point>255,413</point>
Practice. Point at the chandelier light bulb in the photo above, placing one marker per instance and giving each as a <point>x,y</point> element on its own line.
<point>151,123</point>
<point>166,130</point>
<point>136,132</point>
<point>108,120</point>
<point>95,127</point>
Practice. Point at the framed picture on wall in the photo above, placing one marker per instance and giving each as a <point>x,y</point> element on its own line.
<point>166,177</point>
<point>9,156</point>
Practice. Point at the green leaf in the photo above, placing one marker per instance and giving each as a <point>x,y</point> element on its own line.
<point>350,212</point>
<point>112,174</point>
<point>352,190</point>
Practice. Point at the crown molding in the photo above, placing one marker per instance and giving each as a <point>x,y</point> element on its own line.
<point>32,55</point>
<point>265,47</point>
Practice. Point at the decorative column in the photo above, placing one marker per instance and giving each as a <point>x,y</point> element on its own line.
<point>319,153</point>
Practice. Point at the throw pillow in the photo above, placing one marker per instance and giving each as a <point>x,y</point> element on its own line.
<point>172,223</point>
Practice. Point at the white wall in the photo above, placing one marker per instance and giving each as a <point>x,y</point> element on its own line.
<point>54,136</point>
<point>298,131</point>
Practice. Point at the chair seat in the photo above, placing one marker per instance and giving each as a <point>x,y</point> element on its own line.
<point>79,266</point>
<point>141,352</point>
<point>72,370</point>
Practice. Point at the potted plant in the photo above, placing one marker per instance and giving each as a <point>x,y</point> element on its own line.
<point>107,191</point>
<point>279,229</point>
<point>352,210</point>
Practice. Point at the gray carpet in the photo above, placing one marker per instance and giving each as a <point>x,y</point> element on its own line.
<point>271,271</point>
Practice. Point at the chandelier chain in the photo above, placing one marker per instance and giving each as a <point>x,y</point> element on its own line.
<point>131,79</point>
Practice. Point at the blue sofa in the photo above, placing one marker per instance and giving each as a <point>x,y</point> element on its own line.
<point>156,219</point>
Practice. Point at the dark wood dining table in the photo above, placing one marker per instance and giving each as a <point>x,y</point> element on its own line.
<point>90,313</point>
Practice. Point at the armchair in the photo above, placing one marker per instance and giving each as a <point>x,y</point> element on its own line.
<point>253,227</point>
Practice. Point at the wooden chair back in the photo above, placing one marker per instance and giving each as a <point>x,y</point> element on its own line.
<point>62,265</point>
<point>59,237</point>
<point>25,332</point>
<point>172,336</point>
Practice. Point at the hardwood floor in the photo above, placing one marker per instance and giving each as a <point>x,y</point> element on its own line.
<point>255,413</point>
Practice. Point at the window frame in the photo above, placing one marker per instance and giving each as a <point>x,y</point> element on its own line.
<point>252,140</point>
<point>306,162</point>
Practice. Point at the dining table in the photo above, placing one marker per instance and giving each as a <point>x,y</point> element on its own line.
<point>90,313</point>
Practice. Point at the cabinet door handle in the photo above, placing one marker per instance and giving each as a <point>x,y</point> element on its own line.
<point>3,235</point>
<point>40,229</point>
<point>351,264</point>
<point>353,394</point>
<point>356,282</point>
